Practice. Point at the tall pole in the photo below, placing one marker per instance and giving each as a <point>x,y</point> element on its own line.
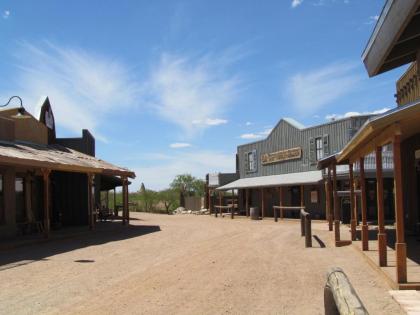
<point>336,206</point>
<point>365,228</point>
<point>46,178</point>
<point>91,209</point>
<point>329,195</point>
<point>380,204</point>
<point>352,204</point>
<point>400,245</point>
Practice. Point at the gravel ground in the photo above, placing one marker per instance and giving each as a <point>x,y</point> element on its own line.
<point>184,264</point>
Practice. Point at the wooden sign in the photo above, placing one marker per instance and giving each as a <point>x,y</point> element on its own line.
<point>281,156</point>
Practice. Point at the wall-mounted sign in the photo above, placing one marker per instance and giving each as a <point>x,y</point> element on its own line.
<point>281,156</point>
<point>314,196</point>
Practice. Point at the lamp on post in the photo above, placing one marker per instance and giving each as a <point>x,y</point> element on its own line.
<point>21,110</point>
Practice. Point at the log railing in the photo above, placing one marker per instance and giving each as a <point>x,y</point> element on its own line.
<point>305,227</point>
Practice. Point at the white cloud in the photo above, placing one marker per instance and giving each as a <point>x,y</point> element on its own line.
<point>197,163</point>
<point>192,92</point>
<point>210,122</point>
<point>296,3</point>
<point>80,84</point>
<point>258,135</point>
<point>179,145</point>
<point>312,90</point>
<point>6,14</point>
<point>351,114</point>
<point>372,19</point>
<point>248,123</point>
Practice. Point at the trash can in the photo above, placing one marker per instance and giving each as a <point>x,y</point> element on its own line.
<point>254,213</point>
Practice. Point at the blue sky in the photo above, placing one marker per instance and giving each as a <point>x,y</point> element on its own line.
<point>170,87</point>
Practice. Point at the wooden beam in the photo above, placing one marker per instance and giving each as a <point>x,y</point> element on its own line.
<point>46,178</point>
<point>247,201</point>
<point>91,206</point>
<point>380,206</point>
<point>262,204</point>
<point>329,197</point>
<point>232,210</point>
<point>352,204</point>
<point>400,245</point>
<point>336,206</point>
<point>365,228</point>
<point>115,202</point>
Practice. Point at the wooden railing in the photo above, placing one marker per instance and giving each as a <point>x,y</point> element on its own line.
<point>408,86</point>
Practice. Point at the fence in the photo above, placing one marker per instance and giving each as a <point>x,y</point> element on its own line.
<point>194,203</point>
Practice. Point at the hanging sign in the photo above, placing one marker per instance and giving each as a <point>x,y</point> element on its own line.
<point>281,156</point>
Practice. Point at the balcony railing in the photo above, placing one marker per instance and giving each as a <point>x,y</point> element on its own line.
<point>408,86</point>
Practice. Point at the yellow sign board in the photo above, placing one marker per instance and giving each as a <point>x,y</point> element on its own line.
<point>281,156</point>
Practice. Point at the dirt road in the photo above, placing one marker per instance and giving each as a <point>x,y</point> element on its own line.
<point>183,264</point>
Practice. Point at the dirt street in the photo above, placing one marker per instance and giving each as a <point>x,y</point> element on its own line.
<point>184,264</point>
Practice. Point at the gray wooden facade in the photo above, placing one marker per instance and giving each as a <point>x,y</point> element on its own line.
<point>287,135</point>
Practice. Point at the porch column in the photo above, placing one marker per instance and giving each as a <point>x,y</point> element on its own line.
<point>352,204</point>
<point>262,203</point>
<point>115,202</point>
<point>46,178</point>
<point>233,205</point>
<point>209,196</point>
<point>302,197</point>
<point>365,228</point>
<point>400,245</point>
<point>127,196</point>
<point>336,206</point>
<point>125,213</point>
<point>247,202</point>
<point>91,206</point>
<point>380,203</point>
<point>220,203</point>
<point>28,199</point>
<point>328,197</point>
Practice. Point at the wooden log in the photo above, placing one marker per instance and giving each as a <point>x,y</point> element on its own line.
<point>262,204</point>
<point>247,202</point>
<point>281,201</point>
<point>302,224</point>
<point>233,205</point>
<point>308,230</point>
<point>340,296</point>
<point>90,198</point>
<point>380,204</point>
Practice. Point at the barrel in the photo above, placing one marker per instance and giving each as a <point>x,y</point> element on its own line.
<point>254,213</point>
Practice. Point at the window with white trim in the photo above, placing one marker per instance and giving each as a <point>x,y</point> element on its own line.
<point>319,149</point>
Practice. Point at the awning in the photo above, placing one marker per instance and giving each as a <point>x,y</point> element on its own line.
<point>302,178</point>
<point>56,157</point>
<point>379,130</point>
<point>396,37</point>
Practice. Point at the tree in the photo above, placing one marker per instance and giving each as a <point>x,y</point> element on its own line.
<point>188,185</point>
<point>169,197</point>
<point>148,199</point>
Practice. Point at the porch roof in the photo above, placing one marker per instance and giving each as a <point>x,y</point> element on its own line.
<point>379,130</point>
<point>301,178</point>
<point>396,37</point>
<point>56,157</point>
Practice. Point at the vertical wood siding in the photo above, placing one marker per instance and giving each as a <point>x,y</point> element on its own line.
<point>285,136</point>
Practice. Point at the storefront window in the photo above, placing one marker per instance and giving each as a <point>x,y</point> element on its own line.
<point>319,149</point>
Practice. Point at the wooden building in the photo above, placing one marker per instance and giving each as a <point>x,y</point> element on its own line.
<point>279,174</point>
<point>395,41</point>
<point>47,182</point>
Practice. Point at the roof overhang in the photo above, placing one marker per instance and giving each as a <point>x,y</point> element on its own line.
<point>381,130</point>
<point>395,40</point>
<point>302,178</point>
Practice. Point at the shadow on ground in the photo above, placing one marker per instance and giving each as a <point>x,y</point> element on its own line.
<point>105,232</point>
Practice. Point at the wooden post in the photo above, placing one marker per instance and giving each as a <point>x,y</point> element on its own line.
<point>209,199</point>
<point>115,202</point>
<point>220,203</point>
<point>91,206</point>
<point>127,206</point>
<point>331,213</point>
<point>356,216</point>
<point>281,202</point>
<point>400,245</point>
<point>262,204</point>
<point>46,178</point>
<point>233,205</point>
<point>125,214</point>
<point>352,204</point>
<point>28,198</point>
<point>365,228</point>
<point>302,197</point>
<point>380,204</point>
<point>336,206</point>
<point>107,199</point>
<point>247,202</point>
